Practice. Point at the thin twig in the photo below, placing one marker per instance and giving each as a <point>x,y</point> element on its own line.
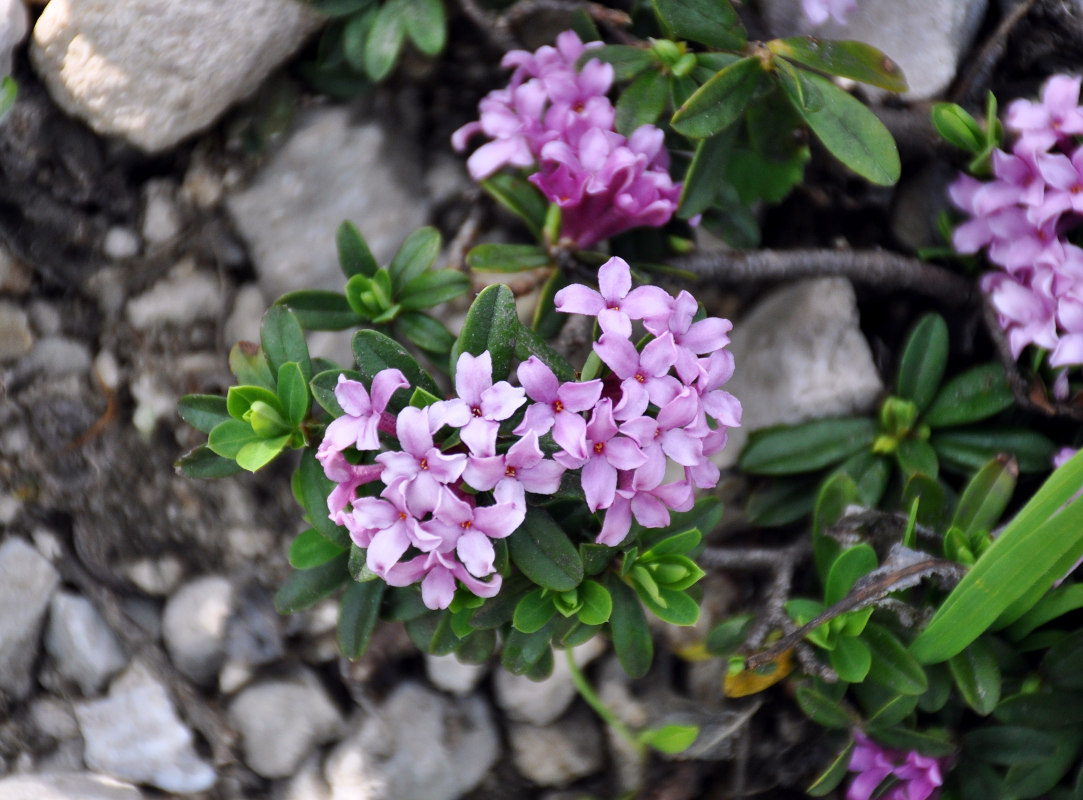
<point>878,268</point>
<point>980,67</point>
<point>499,27</point>
<point>465,237</point>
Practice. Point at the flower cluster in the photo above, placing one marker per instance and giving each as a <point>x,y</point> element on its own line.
<point>818,11</point>
<point>557,118</point>
<point>430,522</point>
<point>915,777</point>
<point>1024,217</point>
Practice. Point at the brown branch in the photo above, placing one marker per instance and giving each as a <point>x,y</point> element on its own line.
<point>878,268</point>
<point>980,68</point>
<point>499,27</point>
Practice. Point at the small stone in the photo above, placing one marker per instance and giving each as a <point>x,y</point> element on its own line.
<point>27,583</point>
<point>85,649</point>
<point>107,287</point>
<point>121,243</point>
<point>156,577</point>
<point>800,355</point>
<point>282,722</point>
<point>161,219</point>
<point>134,734</point>
<point>557,754</point>
<point>306,784</point>
<point>194,626</point>
<point>154,401</point>
<point>10,505</point>
<point>15,276</point>
<point>45,317</point>
<point>13,27</point>
<point>66,786</point>
<point>448,674</point>
<point>541,702</point>
<point>53,718</point>
<point>420,745</point>
<point>56,357</point>
<point>16,338</point>
<point>244,321</point>
<point>185,295</point>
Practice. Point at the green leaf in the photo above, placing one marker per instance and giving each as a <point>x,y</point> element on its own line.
<point>627,60</point>
<point>249,365</point>
<point>844,125</point>
<point>9,92</point>
<point>375,352</point>
<point>597,603</point>
<point>977,394</point>
<point>477,648</point>
<point>628,627</point>
<point>782,501</point>
<point>520,197</point>
<point>426,25</point>
<point>1009,745</point>
<point>416,254</point>
<point>202,462</point>
<point>358,612</point>
<point>642,102</point>
<point>533,611</point>
<point>676,607</point>
<point>968,450</point>
<point>1063,664</point>
<point>917,458</point>
<point>424,331</point>
<point>822,710</point>
<point>306,587</point>
<point>710,22</point>
<point>283,340</point>
<point>719,102</point>
<point>354,255</point>
<point>1038,778</point>
<point>930,743</point>
<point>528,343</point>
<point>986,496</point>
<point>852,564</point>
<point>977,675</point>
<point>500,609</point>
<point>314,487</point>
<point>675,544</point>
<point>792,449</point>
<point>355,33</point>
<point>385,39</point>
<point>727,637</point>
<point>310,549</point>
<point>670,738</point>
<point>830,778</point>
<point>958,128</point>
<point>227,438</point>
<point>855,60</point>
<point>1058,602</point>
<point>870,472</point>
<point>523,650</point>
<point>932,502</point>
<point>321,310</point>
<point>923,360</point>
<point>892,665</point>
<point>1045,709</point>
<point>432,288</point>
<point>256,455</point>
<point>203,411</point>
<point>884,706</point>
<point>701,179</point>
<point>293,392</point>
<point>851,659</point>
<point>358,565</point>
<point>240,399</point>
<point>545,554</point>
<point>493,257</point>
<point>838,492</point>
<point>491,324</point>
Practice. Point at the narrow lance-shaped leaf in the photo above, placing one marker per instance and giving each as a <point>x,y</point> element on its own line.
<point>416,254</point>
<point>321,310</point>
<point>719,102</point>
<point>710,22</point>
<point>923,360</point>
<point>354,255</point>
<point>700,186</point>
<point>375,352</point>
<point>986,496</point>
<point>358,613</point>
<point>385,39</point>
<point>304,588</point>
<point>202,462</point>
<point>283,340</point>
<point>203,411</point>
<point>628,627</point>
<point>426,25</point>
<point>855,60</point>
<point>787,450</point>
<point>642,102</point>
<point>491,324</point>
<point>493,257</point>
<point>544,552</point>
<point>974,395</point>
<point>520,197</point>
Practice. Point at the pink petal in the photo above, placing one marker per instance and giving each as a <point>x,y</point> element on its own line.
<point>617,523</point>
<point>659,355</point>
<point>579,396</point>
<point>386,548</point>
<point>649,511</point>
<point>480,436</point>
<point>501,401</point>
<point>619,354</point>
<point>542,478</point>
<point>473,375</point>
<point>475,551</point>
<point>623,453</point>
<point>538,418</point>
<point>385,384</point>
<point>412,429</point>
<point>599,480</point>
<point>682,448</point>
<point>614,280</point>
<point>483,473</point>
<point>538,380</point>
<point>570,432</point>
<point>438,588</point>
<point>647,301</point>
<point>353,397</point>
<point>579,299</point>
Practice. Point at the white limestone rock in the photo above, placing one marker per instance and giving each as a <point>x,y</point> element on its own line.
<point>541,702</point>
<point>194,626</point>
<point>448,674</point>
<point>156,71</point>
<point>85,649</point>
<point>557,754</point>
<point>27,583</point>
<point>66,786</point>
<point>13,26</point>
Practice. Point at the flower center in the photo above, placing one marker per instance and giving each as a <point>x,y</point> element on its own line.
<point>639,377</point>
<point>599,447</point>
<point>402,515</point>
<point>424,463</point>
<point>465,524</point>
<point>510,472</point>
<point>558,406</point>
<point>1076,189</point>
<point>476,411</point>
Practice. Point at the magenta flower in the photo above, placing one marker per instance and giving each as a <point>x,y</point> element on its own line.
<point>556,405</point>
<point>617,303</point>
<point>438,570</point>
<point>387,529</point>
<point>348,478</point>
<point>420,469</point>
<point>917,777</point>
<point>524,464</point>
<point>644,375</point>
<point>818,11</point>
<point>357,427</point>
<point>481,405</point>
<point>606,452</point>
<point>472,527</point>
<point>1051,121</point>
<point>693,339</point>
<point>649,507</point>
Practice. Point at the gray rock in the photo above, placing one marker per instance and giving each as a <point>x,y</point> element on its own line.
<point>161,218</point>
<point>194,626</point>
<point>27,583</point>
<point>120,243</point>
<point>13,27</point>
<point>800,355</point>
<point>135,735</point>
<point>155,71</point>
<point>557,754</point>
<point>66,786</point>
<point>85,649</point>
<point>448,674</point>
<point>186,294</point>
<point>420,745</point>
<point>53,718</point>
<point>16,338</point>
<point>155,576</point>
<point>926,37</point>
<point>329,170</point>
<point>282,722</point>
<point>54,357</point>
<point>541,702</point>
<point>15,276</point>
<point>306,783</point>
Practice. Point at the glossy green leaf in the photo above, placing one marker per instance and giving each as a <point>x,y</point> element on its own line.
<point>923,361</point>
<point>385,39</point>
<point>1063,664</point>
<point>700,187</point>
<point>932,502</point>
<point>719,102</point>
<point>674,607</point>
<point>523,650</point>
<point>970,449</point>
<point>833,775</point>
<point>492,324</point>
<point>528,343</point>
<point>852,564</point>
<point>203,411</point>
<point>477,648</point>
<point>845,126</point>
<point>321,310</point>
<point>643,102</point>
<point>628,628</point>
<point>1062,600</point>
<point>975,395</point>
<point>544,553</point>
<point>306,587</point>
<point>977,676</point>
<point>283,340</point>
<point>1038,778</point>
<point>374,352</point>
<point>710,22</point>
<point>670,738</point>
<point>227,438</point>
<point>838,492</point>
<point>1009,744</point>
<point>494,257</point>
<point>957,127</point>
<point>627,60</point>
<point>851,659</point>
<point>249,366</point>
<point>414,256</point>
<point>822,710</point>
<point>432,288</point>
<point>520,197</point>
<point>533,611</point>
<point>782,501</point>
<point>310,549</point>
<point>792,449</point>
<point>293,392</point>
<point>358,613</point>
<point>240,399</point>
<point>597,603</point>
<point>892,664</point>
<point>426,25</point>
<point>883,706</point>
<point>727,637</point>
<point>424,331</point>
<point>986,496</point>
<point>358,565</point>
<point>916,458</point>
<point>846,59</point>
<point>323,388</point>
<point>314,486</point>
<point>1046,710</point>
<point>931,743</point>
<point>354,255</point>
<point>203,463</point>
<point>354,38</point>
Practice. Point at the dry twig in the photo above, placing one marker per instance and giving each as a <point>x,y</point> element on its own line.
<point>980,68</point>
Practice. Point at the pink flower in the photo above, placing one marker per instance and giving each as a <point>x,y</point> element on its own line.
<point>606,452</point>
<point>556,405</point>
<point>420,469</point>
<point>1054,119</point>
<point>917,777</point>
<point>693,339</point>
<point>617,303</point>
<point>387,528</point>
<point>818,11</point>
<point>438,570</point>
<point>481,405</point>
<point>473,527</point>
<point>523,464</point>
<point>357,427</point>
<point>644,376</point>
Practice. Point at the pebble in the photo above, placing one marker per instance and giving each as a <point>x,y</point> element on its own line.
<point>66,786</point>
<point>800,355</point>
<point>155,576</point>
<point>27,583</point>
<point>244,321</point>
<point>53,718</point>
<point>55,357</point>
<point>85,649</point>
<point>15,276</point>
<point>185,295</point>
<point>542,702</point>
<point>557,754</point>
<point>161,218</point>
<point>16,338</point>
<point>194,626</point>
<point>448,674</point>
<point>419,744</point>
<point>121,243</point>
<point>281,722</point>
<point>134,734</point>
<point>13,27</point>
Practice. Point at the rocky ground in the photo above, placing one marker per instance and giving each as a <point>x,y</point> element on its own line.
<point>151,206</point>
